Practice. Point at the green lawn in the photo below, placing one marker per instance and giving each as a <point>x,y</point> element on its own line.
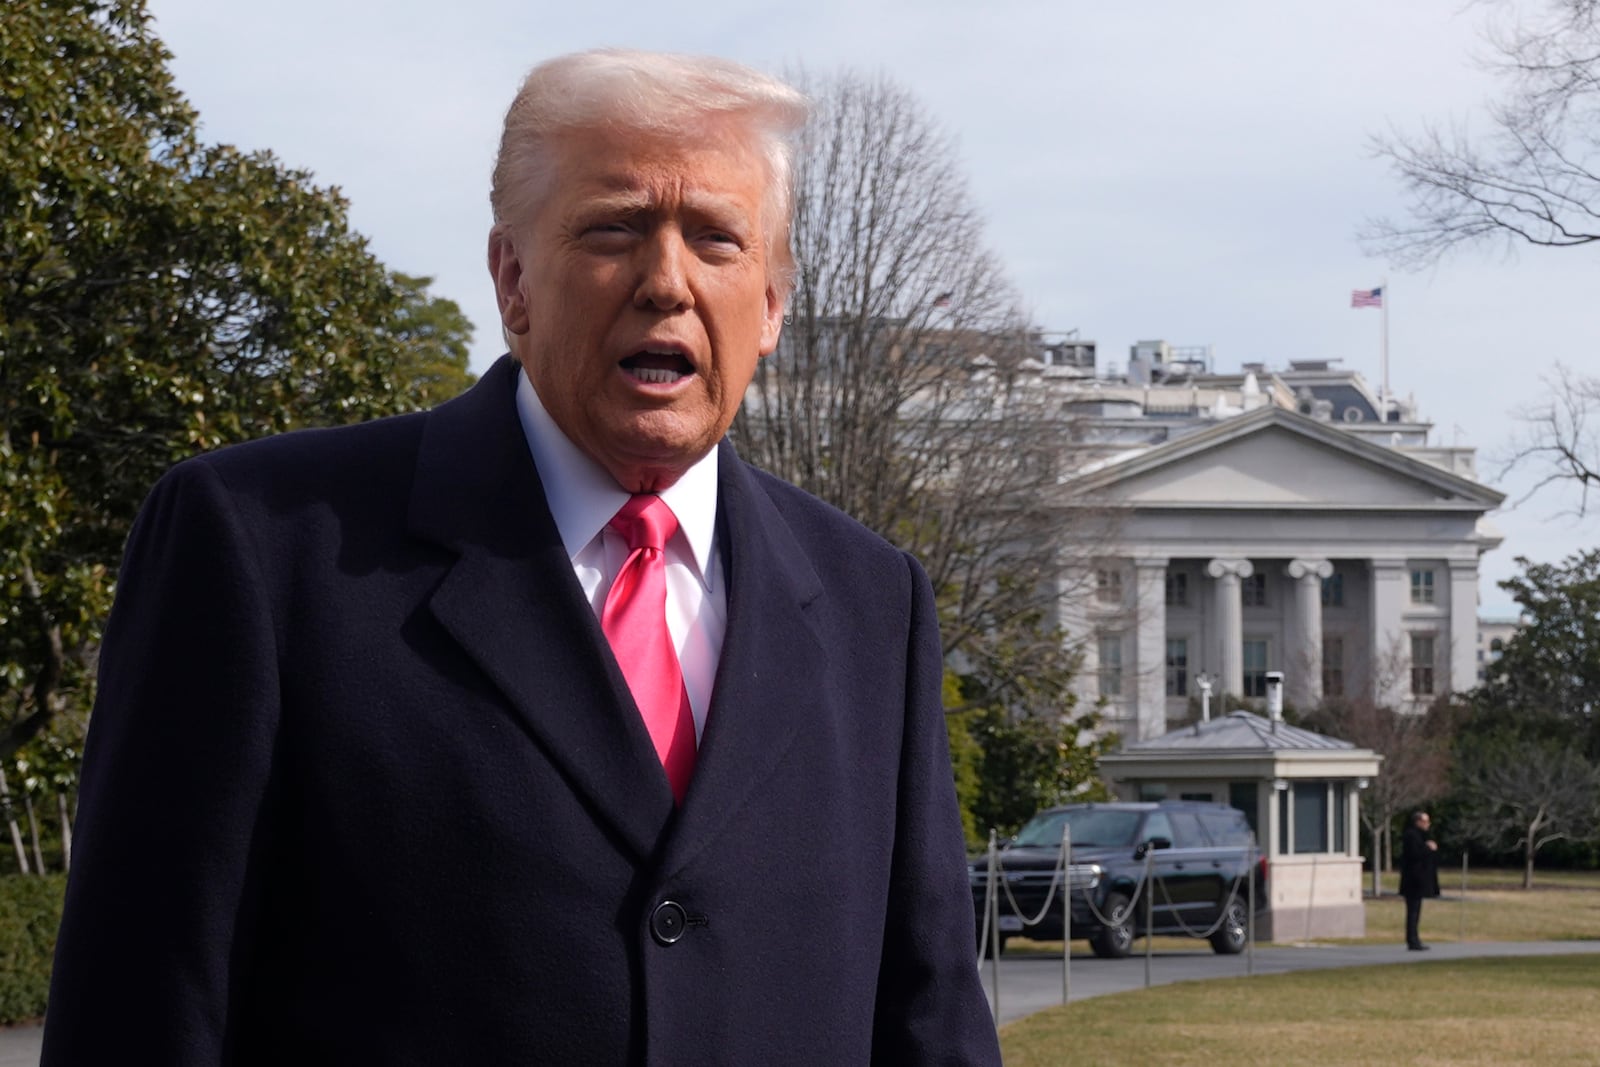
<point>1537,1010</point>
<point>1527,1010</point>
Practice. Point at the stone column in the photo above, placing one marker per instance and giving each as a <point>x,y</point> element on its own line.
<point>1230,622</point>
<point>1150,651</point>
<point>1389,656</point>
<point>1463,635</point>
<point>1074,593</point>
<point>1304,684</point>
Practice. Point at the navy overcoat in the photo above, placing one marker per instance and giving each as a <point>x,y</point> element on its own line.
<point>364,784</point>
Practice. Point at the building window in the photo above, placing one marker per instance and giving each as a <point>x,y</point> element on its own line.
<point>1108,585</point>
<point>1333,666</point>
<point>1253,591</point>
<point>1422,665</point>
<point>1310,816</point>
<point>1422,587</point>
<point>1284,827</point>
<point>1242,795</point>
<point>1255,668</point>
<point>1333,590</point>
<point>1178,667</point>
<point>1177,589</point>
<point>1341,830</point>
<point>1111,665</point>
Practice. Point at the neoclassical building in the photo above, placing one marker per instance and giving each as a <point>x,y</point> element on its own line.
<point>1292,520</point>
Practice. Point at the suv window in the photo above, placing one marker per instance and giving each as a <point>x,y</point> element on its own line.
<point>1186,830</point>
<point>1157,825</point>
<point>1090,827</point>
<point>1226,827</point>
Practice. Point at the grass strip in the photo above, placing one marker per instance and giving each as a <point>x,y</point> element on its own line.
<point>1460,1013</point>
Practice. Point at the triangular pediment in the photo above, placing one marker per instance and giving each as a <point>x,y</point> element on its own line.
<point>1279,459</point>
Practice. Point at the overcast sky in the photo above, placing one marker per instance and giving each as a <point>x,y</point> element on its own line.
<point>1173,170</point>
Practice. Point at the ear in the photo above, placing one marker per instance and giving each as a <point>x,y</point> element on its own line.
<point>772,320</point>
<point>506,270</point>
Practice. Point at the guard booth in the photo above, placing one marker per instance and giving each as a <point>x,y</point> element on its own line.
<point>1300,791</point>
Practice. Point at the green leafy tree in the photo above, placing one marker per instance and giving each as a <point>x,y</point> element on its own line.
<point>1528,741</point>
<point>1029,762</point>
<point>436,336</point>
<point>1031,747</point>
<point>1547,680</point>
<point>158,297</point>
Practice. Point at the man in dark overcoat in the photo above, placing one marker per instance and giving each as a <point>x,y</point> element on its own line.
<point>538,728</point>
<point>1419,873</point>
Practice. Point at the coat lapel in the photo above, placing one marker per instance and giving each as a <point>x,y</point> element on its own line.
<point>771,657</point>
<point>513,604</point>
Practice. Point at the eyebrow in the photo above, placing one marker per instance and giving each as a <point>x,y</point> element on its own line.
<point>634,201</point>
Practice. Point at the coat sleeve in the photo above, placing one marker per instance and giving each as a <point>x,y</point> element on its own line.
<point>931,1007</point>
<point>176,779</point>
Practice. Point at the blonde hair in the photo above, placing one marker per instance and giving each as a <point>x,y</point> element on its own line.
<point>652,92</point>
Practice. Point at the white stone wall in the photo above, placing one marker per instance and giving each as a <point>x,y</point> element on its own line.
<point>1315,896</point>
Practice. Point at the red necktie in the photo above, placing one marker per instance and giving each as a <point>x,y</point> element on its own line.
<point>635,622</point>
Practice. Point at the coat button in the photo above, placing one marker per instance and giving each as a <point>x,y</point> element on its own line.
<point>667,922</point>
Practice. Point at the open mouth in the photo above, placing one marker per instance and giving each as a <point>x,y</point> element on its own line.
<point>658,366</point>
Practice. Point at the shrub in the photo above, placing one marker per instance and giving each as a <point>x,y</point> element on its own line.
<point>30,911</point>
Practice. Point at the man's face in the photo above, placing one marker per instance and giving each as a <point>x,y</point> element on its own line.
<point>1423,821</point>
<point>639,296</point>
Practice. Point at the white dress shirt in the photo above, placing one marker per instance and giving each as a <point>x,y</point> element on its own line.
<point>583,498</point>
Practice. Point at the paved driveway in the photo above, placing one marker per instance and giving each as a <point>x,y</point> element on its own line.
<point>1030,983</point>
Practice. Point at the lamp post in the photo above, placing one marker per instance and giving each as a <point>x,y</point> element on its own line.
<point>1204,681</point>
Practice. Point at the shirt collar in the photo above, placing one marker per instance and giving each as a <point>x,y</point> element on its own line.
<point>583,496</point>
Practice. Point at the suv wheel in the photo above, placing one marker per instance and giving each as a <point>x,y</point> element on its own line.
<point>1115,941</point>
<point>1230,936</point>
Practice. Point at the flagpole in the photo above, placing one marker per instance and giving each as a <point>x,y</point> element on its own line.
<point>1384,306</point>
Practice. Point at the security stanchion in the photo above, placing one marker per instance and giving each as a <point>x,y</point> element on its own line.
<point>994,920</point>
<point>1066,909</point>
<point>1250,936</point>
<point>1149,914</point>
<point>1311,897</point>
<point>1462,935</point>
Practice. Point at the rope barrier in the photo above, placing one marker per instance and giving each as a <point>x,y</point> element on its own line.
<point>1233,894</point>
<point>1112,920</point>
<point>1055,882</point>
<point>1061,875</point>
<point>991,938</point>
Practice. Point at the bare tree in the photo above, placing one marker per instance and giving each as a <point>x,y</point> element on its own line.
<point>1526,793</point>
<point>1559,438</point>
<point>906,390</point>
<point>1415,770</point>
<point>1535,178</point>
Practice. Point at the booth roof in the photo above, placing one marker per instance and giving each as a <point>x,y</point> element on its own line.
<point>1236,731</point>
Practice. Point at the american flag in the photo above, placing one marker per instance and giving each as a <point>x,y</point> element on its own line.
<point>1367,298</point>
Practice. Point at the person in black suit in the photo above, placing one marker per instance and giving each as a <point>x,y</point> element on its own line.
<point>370,777</point>
<point>1419,873</point>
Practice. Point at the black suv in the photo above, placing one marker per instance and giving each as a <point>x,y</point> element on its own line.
<point>1198,854</point>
